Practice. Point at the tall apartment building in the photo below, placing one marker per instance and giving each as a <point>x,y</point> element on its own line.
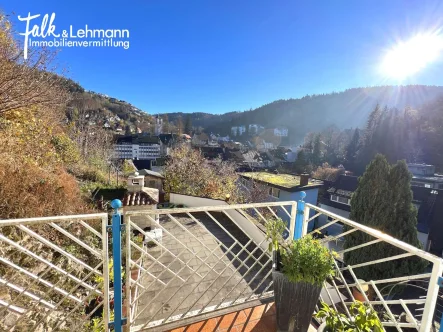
<point>139,146</point>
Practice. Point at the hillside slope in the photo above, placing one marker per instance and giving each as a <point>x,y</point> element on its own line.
<point>345,109</point>
<point>102,109</point>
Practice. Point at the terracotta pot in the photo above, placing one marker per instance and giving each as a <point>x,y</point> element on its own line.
<point>295,303</point>
<point>357,295</point>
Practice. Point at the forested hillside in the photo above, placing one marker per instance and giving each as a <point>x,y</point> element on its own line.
<point>102,109</point>
<point>345,109</point>
<point>399,134</point>
<point>54,148</point>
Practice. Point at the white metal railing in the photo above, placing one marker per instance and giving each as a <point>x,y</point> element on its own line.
<point>415,303</point>
<point>190,262</point>
<point>54,273</point>
<point>207,259</point>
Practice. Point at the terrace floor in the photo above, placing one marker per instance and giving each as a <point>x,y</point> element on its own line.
<point>260,318</point>
<point>218,279</point>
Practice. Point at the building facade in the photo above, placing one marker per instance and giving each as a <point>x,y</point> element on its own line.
<point>138,146</point>
<point>238,131</point>
<point>424,176</point>
<point>281,132</point>
<point>255,129</point>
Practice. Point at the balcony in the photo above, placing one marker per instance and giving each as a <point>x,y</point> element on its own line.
<point>204,267</point>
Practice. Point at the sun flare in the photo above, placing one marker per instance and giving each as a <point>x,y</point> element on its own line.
<point>410,56</point>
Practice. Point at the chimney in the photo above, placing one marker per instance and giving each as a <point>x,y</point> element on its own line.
<point>135,182</point>
<point>304,180</point>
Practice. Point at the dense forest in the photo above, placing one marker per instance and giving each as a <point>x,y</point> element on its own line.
<point>347,109</point>
<point>399,134</point>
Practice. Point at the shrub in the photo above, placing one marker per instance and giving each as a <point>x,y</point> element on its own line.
<point>36,193</point>
<point>94,175</point>
<point>363,318</point>
<point>189,173</point>
<point>307,260</point>
<point>66,149</point>
<point>327,172</point>
<point>274,233</point>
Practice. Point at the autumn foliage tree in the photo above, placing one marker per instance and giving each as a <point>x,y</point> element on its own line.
<point>26,82</point>
<point>327,172</point>
<point>34,148</point>
<point>188,172</point>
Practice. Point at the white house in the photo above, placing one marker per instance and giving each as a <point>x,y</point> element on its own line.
<point>281,132</point>
<point>223,138</point>
<point>255,129</point>
<point>238,130</point>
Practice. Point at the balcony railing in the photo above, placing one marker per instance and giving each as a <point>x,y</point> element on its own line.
<point>53,272</point>
<point>413,307</point>
<point>185,264</point>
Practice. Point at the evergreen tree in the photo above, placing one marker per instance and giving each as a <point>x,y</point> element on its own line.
<point>300,163</point>
<point>188,125</point>
<point>316,151</point>
<point>383,201</point>
<point>351,150</point>
<point>369,146</point>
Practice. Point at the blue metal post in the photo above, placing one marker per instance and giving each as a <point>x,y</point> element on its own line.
<point>117,257</point>
<point>440,283</point>
<point>299,216</point>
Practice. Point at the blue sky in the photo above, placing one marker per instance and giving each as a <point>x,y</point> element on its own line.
<point>221,56</point>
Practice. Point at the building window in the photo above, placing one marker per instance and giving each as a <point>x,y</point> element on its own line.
<point>344,200</point>
<point>340,199</point>
<point>274,192</point>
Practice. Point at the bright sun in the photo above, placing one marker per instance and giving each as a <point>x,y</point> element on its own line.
<point>408,57</point>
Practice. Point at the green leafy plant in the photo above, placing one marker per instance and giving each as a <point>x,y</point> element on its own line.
<point>334,320</point>
<point>274,233</point>
<point>97,324</point>
<point>100,280</point>
<point>307,260</point>
<point>363,319</point>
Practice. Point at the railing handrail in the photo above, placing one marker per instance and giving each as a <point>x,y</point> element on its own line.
<point>208,208</point>
<point>41,220</point>
<point>380,235</point>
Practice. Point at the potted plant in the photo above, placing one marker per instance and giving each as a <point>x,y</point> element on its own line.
<point>363,318</point>
<point>300,269</point>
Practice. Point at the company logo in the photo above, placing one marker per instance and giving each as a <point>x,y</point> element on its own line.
<point>45,34</point>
